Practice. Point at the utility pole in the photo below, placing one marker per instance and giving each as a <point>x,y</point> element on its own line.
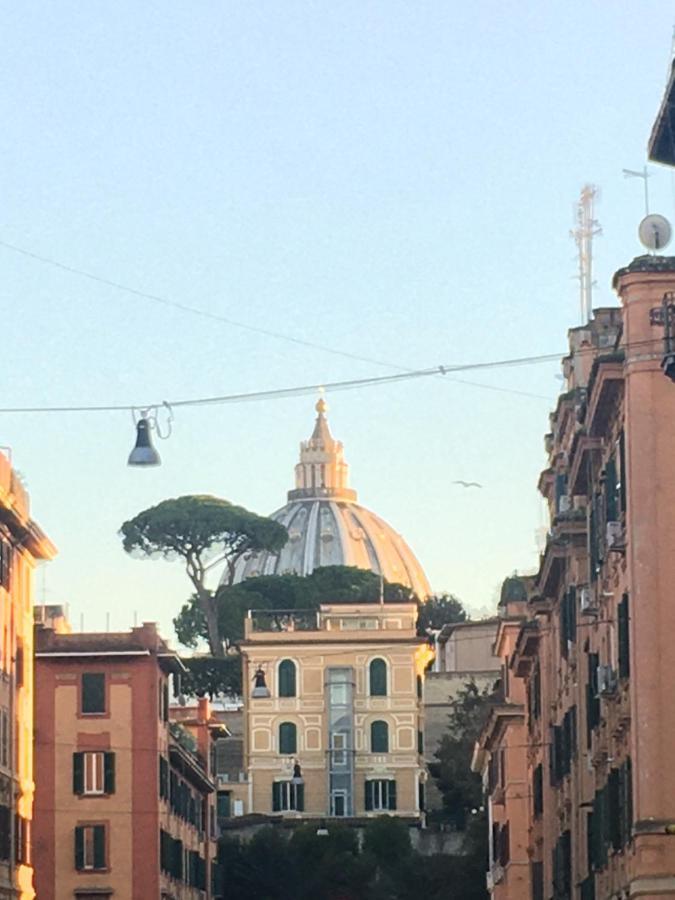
<point>583,234</point>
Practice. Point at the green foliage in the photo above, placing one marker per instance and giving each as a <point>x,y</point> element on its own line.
<point>329,584</point>
<point>461,788</point>
<point>212,676</point>
<point>195,529</point>
<point>440,610</point>
<point>387,839</point>
<point>308,866</point>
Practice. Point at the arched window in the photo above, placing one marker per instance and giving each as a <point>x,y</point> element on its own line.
<point>378,678</point>
<point>288,738</point>
<point>287,678</point>
<point>379,737</point>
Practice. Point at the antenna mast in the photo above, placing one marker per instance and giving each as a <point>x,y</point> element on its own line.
<point>583,234</point>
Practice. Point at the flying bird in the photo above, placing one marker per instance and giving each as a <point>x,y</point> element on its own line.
<point>468,484</point>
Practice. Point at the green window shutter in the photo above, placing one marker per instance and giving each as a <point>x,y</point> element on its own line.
<point>624,637</point>
<point>369,796</point>
<point>392,794</point>
<point>378,678</point>
<point>379,737</point>
<point>288,738</point>
<point>276,796</point>
<point>79,848</point>
<point>300,797</point>
<point>99,846</point>
<point>629,799</point>
<point>109,773</point>
<point>78,773</point>
<point>611,481</point>
<point>287,680</point>
<point>420,743</point>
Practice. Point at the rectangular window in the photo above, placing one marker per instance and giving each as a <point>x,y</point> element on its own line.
<point>538,790</point>
<point>5,833</point>
<point>5,563</point>
<point>22,846</point>
<point>224,805</point>
<point>624,637</point>
<point>287,796</point>
<point>94,773</point>
<point>90,849</point>
<point>339,748</point>
<point>380,794</point>
<point>5,739</point>
<point>19,673</point>
<point>93,693</point>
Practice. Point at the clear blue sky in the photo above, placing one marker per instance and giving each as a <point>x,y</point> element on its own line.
<point>395,179</point>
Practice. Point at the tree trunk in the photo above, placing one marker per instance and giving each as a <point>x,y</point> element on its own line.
<point>211,616</point>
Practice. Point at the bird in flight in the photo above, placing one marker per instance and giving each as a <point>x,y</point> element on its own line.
<point>468,484</point>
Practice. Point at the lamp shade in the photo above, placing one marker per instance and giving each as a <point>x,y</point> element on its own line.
<point>143,454</point>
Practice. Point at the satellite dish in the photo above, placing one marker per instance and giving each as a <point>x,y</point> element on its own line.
<point>655,232</point>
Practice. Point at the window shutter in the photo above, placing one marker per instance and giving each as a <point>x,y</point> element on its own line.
<point>109,773</point>
<point>378,678</point>
<point>288,738</point>
<point>78,773</point>
<point>624,638</point>
<point>79,848</point>
<point>300,797</point>
<point>392,795</point>
<point>287,678</point>
<point>379,737</point>
<point>369,795</point>
<point>611,504</point>
<point>276,796</point>
<point>99,846</point>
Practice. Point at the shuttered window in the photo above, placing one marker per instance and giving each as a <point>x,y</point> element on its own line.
<point>379,737</point>
<point>94,773</point>
<point>287,678</point>
<point>378,678</point>
<point>288,796</point>
<point>90,849</point>
<point>380,794</point>
<point>538,790</point>
<point>288,738</point>
<point>624,637</point>
<point>5,833</point>
<point>93,693</point>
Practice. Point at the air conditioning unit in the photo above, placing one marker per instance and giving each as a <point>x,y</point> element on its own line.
<point>587,604</point>
<point>607,681</point>
<point>564,503</point>
<point>614,535</point>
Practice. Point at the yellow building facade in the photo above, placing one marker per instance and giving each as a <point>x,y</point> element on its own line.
<point>333,711</point>
<point>21,544</point>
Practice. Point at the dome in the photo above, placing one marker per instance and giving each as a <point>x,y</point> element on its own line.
<point>327,527</point>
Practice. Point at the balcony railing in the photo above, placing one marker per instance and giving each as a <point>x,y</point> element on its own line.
<point>283,620</point>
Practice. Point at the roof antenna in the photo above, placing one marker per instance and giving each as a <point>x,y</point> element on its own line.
<point>583,234</point>
<point>644,174</point>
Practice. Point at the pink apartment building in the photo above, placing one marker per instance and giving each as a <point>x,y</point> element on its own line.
<point>577,760</point>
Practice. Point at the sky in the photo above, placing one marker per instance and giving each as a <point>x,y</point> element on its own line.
<point>392,180</point>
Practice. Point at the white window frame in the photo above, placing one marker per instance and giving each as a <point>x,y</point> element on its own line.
<point>288,796</point>
<point>93,766</point>
<point>380,789</point>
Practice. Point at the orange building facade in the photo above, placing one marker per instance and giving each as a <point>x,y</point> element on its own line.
<point>576,763</point>
<point>21,544</point>
<point>124,799</point>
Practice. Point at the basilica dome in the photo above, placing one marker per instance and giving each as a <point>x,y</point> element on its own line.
<point>327,527</point>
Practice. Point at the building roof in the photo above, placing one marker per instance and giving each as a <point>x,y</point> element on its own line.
<point>662,139</point>
<point>327,527</point>
<point>142,641</point>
